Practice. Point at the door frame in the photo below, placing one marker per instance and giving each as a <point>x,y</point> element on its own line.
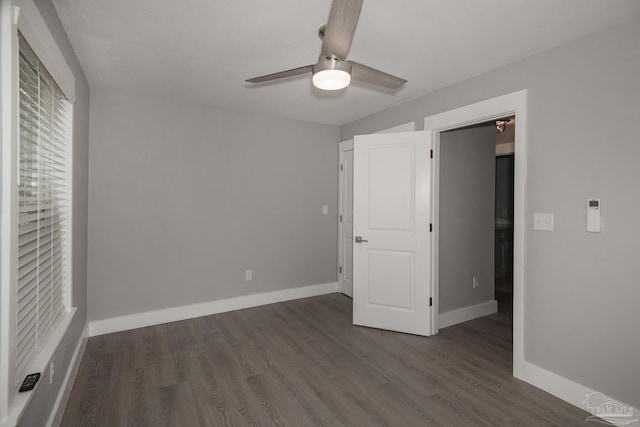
<point>342,147</point>
<point>510,104</point>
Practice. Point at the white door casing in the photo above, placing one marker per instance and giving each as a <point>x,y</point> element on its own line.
<point>392,211</point>
<point>345,224</point>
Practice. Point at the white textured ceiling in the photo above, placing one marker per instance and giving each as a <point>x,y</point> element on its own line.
<point>202,50</point>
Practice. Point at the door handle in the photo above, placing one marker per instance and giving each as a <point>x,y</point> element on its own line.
<point>360,240</point>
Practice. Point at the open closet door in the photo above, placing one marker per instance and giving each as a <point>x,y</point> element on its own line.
<point>392,241</point>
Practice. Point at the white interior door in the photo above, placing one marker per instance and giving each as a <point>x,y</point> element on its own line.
<point>392,241</point>
<point>345,233</point>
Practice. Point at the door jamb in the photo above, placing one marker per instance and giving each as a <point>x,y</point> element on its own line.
<point>342,147</point>
<point>509,104</point>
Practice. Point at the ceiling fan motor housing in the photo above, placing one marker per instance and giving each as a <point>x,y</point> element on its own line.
<point>331,63</point>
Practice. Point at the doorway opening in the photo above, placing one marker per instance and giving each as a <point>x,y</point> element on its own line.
<point>513,104</point>
<point>476,221</point>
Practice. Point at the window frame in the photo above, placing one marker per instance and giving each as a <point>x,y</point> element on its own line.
<point>23,16</point>
<point>43,240</point>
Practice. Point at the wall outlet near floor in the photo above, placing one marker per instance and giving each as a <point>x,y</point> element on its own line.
<point>475,282</point>
<point>52,369</point>
<point>248,275</point>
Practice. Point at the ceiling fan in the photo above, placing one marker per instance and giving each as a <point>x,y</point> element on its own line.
<point>333,71</point>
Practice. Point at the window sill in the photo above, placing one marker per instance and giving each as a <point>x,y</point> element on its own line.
<point>40,364</point>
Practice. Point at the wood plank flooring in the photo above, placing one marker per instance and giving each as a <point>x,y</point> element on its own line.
<point>302,363</point>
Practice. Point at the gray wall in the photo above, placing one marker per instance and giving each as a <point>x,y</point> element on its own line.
<point>582,289</point>
<point>467,216</point>
<point>185,198</point>
<point>46,394</point>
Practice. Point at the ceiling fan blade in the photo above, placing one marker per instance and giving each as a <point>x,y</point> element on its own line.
<point>340,28</point>
<point>371,75</point>
<point>282,74</point>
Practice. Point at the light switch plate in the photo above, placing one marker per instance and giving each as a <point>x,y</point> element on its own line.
<point>543,221</point>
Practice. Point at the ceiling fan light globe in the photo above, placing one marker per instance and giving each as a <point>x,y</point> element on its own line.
<point>331,79</point>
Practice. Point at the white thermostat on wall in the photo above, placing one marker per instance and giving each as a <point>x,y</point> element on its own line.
<point>593,215</point>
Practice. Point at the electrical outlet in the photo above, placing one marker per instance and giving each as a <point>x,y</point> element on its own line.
<point>475,282</point>
<point>52,369</point>
<point>248,275</point>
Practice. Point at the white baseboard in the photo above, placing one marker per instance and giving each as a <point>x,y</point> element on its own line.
<point>55,418</point>
<point>464,314</point>
<point>173,314</point>
<point>563,388</point>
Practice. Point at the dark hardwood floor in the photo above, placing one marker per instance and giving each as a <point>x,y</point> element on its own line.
<point>302,363</point>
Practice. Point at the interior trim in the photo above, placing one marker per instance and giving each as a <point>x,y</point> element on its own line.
<point>173,314</point>
<point>561,387</point>
<point>465,314</point>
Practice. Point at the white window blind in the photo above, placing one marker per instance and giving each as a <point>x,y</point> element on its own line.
<point>43,208</point>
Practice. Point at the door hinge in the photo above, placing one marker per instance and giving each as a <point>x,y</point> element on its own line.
<point>430,301</point>
<point>431,154</point>
<point>340,218</point>
<point>430,228</point>
<point>340,167</point>
<point>340,270</point>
